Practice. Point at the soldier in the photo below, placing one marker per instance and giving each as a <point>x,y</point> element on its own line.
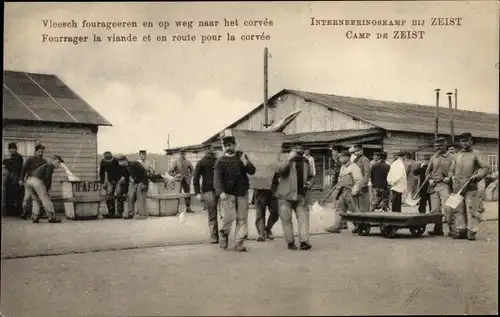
<point>412,180</point>
<point>231,188</point>
<point>376,158</point>
<point>425,197</point>
<point>380,188</point>
<point>397,182</point>
<point>348,186</point>
<point>29,166</point>
<point>296,178</point>
<point>145,163</point>
<point>138,188</point>
<point>439,186</point>
<point>13,193</point>
<point>183,167</point>
<point>452,148</point>
<point>363,199</point>
<point>266,198</point>
<point>205,169</point>
<point>466,165</point>
<point>336,165</point>
<point>109,173</point>
<point>38,184</point>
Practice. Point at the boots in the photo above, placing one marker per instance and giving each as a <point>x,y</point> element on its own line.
<point>471,236</point>
<point>460,234</point>
<point>438,230</point>
<point>223,240</point>
<point>55,219</point>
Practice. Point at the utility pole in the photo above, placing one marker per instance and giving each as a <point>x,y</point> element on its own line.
<point>168,147</point>
<point>456,98</point>
<point>436,118</point>
<point>452,128</point>
<point>266,110</point>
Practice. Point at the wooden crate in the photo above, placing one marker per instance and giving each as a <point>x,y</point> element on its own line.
<point>81,199</point>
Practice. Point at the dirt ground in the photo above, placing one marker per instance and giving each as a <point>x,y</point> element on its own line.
<point>342,275</point>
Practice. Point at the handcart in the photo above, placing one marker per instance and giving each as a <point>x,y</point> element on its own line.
<point>391,222</point>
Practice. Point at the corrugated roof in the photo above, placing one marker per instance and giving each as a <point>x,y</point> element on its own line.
<point>396,116</point>
<point>329,136</point>
<point>44,97</point>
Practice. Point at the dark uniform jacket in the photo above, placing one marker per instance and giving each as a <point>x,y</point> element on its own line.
<point>204,169</point>
<point>379,173</point>
<point>30,165</point>
<point>420,172</point>
<point>14,166</point>
<point>112,168</point>
<point>44,173</point>
<point>231,176</point>
<point>138,173</point>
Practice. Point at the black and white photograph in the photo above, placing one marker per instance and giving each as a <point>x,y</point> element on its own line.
<point>250,158</point>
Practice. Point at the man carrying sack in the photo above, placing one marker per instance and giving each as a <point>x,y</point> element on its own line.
<point>467,169</point>
<point>348,187</point>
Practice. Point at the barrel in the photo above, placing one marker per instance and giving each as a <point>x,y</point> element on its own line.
<point>162,200</point>
<point>81,199</point>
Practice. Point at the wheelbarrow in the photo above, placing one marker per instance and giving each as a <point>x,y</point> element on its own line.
<point>391,222</point>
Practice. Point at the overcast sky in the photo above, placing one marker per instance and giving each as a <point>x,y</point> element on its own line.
<point>193,90</point>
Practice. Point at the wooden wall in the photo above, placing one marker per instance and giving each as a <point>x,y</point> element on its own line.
<point>313,118</point>
<point>76,145</point>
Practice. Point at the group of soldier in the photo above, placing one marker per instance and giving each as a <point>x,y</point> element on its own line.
<point>439,175</point>
<point>27,185</point>
<point>222,184</point>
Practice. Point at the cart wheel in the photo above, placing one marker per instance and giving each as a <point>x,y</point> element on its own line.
<point>417,231</point>
<point>389,231</point>
<point>364,230</point>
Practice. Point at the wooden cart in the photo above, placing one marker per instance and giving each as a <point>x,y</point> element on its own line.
<point>391,222</point>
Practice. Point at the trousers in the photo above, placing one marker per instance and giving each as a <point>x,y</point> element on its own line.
<point>137,194</point>
<point>286,210</point>
<point>396,201</point>
<point>186,188</point>
<point>40,196</point>
<point>466,214</point>
<point>264,199</point>
<point>439,197</point>
<point>231,209</point>
<point>210,202</point>
<point>363,200</point>
<point>344,203</point>
<point>425,200</point>
<point>379,199</point>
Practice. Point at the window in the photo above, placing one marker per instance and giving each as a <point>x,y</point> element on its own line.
<point>493,162</point>
<point>25,147</point>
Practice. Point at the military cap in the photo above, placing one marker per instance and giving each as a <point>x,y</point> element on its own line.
<point>142,152</point>
<point>345,153</point>
<point>107,153</point>
<point>376,153</point>
<point>57,157</point>
<point>39,147</point>
<point>121,158</point>
<point>12,145</point>
<point>228,140</point>
<point>383,155</point>
<point>465,136</point>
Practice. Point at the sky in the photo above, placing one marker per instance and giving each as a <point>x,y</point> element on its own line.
<point>190,91</point>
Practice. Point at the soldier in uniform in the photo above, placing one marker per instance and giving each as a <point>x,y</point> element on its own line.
<point>348,186</point>
<point>145,163</point>
<point>363,199</point>
<point>109,174</point>
<point>206,193</point>
<point>266,199</point>
<point>425,197</point>
<point>183,167</point>
<point>336,165</point>
<point>467,164</point>
<point>231,188</point>
<point>138,188</point>
<point>296,178</point>
<point>440,186</point>
<point>380,188</point>
<point>38,184</point>
<point>29,167</point>
<point>13,193</point>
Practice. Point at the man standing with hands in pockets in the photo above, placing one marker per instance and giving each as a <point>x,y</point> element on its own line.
<point>231,185</point>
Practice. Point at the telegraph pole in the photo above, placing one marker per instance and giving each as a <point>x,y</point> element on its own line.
<point>266,110</point>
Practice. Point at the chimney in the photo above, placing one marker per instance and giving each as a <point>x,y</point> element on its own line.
<point>451,117</point>
<point>436,118</point>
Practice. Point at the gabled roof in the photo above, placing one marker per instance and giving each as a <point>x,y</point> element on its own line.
<point>396,116</point>
<point>45,97</point>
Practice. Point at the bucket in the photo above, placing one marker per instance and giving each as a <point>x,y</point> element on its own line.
<point>454,201</point>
